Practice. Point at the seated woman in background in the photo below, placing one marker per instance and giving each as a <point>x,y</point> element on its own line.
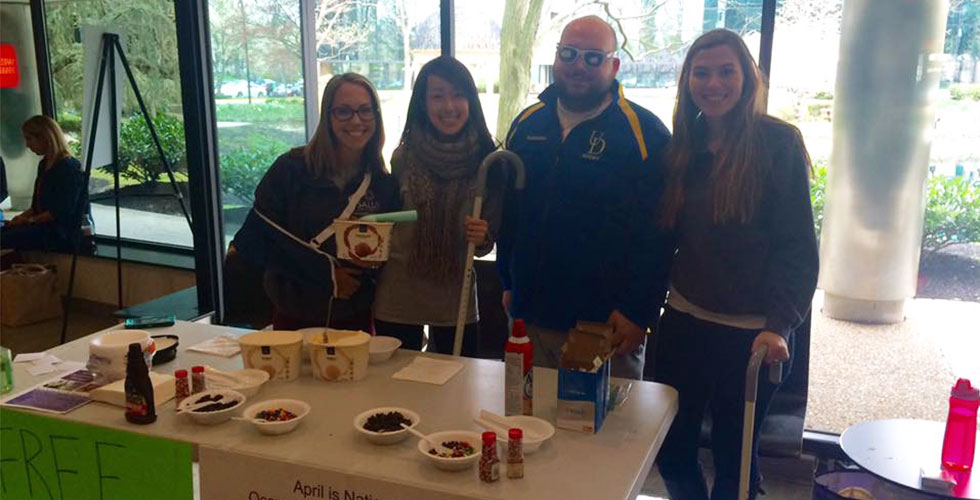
<point>338,174</point>
<point>444,141</point>
<point>60,203</point>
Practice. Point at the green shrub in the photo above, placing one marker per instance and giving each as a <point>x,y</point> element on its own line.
<point>70,122</point>
<point>243,167</point>
<point>818,188</point>
<point>819,110</point>
<point>964,91</point>
<point>952,212</point>
<point>824,94</point>
<point>138,156</point>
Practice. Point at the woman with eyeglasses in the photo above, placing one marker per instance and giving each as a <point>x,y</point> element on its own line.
<point>60,205</point>
<point>444,141</point>
<point>746,264</point>
<point>338,174</point>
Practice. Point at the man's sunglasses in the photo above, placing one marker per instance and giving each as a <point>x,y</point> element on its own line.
<point>344,113</point>
<point>594,58</point>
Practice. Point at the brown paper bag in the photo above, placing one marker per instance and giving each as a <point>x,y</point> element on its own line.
<point>29,294</point>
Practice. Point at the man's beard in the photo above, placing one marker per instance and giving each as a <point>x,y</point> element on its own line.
<point>582,102</point>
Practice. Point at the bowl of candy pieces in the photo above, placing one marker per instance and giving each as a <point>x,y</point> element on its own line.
<point>276,416</point>
<point>460,449</point>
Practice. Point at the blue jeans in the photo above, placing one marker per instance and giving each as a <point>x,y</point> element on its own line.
<point>706,363</point>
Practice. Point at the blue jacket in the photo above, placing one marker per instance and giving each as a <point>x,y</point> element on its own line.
<point>581,239</point>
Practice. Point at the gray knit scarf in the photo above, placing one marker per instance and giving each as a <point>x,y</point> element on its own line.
<point>440,180</point>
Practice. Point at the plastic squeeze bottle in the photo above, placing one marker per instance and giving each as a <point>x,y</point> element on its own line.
<point>518,372</point>
<point>140,406</point>
<point>959,443</point>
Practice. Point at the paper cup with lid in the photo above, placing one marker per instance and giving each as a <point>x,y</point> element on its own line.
<point>276,352</point>
<point>363,240</point>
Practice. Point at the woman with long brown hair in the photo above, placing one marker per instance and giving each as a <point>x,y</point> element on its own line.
<point>60,202</point>
<point>339,173</point>
<point>746,263</point>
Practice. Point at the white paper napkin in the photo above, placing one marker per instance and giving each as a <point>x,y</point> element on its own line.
<point>428,370</point>
<point>222,345</point>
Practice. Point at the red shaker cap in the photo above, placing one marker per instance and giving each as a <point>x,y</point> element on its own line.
<point>489,437</point>
<point>197,369</point>
<point>963,390</point>
<point>518,330</point>
<point>180,374</point>
<point>515,433</point>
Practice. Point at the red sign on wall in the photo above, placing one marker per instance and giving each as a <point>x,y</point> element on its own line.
<point>9,73</point>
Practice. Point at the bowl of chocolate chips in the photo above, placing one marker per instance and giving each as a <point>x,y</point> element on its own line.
<point>384,425</point>
<point>211,407</point>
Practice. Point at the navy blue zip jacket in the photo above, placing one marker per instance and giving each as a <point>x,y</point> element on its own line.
<point>581,239</point>
<point>298,280</point>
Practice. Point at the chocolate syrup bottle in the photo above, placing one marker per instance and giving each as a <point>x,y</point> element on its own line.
<point>140,407</point>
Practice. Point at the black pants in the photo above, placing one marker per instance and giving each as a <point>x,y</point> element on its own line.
<point>706,363</point>
<point>31,237</point>
<point>441,338</point>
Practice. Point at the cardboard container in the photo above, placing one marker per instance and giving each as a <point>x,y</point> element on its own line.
<point>342,357</point>
<point>276,352</point>
<point>364,240</point>
<point>583,378</point>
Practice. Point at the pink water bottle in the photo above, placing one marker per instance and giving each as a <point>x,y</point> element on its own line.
<point>960,441</point>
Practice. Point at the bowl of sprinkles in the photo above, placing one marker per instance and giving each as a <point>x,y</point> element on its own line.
<point>383,425</point>
<point>277,416</point>
<point>460,449</point>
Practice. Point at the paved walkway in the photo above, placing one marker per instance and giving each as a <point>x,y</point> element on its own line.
<point>862,372</point>
<point>142,225</point>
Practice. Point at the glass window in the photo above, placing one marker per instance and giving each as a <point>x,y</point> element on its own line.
<point>149,212</point>
<point>387,41</point>
<point>259,41</point>
<point>257,63</point>
<point>657,34</point>
<point>802,91</point>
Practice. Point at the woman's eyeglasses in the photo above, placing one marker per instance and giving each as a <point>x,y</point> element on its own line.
<point>594,58</point>
<point>345,113</point>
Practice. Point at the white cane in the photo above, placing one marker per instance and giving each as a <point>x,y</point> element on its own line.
<point>748,418</point>
<point>481,184</point>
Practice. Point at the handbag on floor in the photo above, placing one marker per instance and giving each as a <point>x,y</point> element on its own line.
<point>29,294</point>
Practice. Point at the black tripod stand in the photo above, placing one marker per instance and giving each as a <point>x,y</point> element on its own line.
<point>107,64</point>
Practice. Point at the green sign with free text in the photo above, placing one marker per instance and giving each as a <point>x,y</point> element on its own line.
<point>42,458</point>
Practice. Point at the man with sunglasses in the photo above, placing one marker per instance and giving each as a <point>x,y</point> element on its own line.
<point>580,242</point>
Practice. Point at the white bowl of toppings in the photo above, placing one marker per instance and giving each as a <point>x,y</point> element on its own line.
<point>461,449</point>
<point>381,348</point>
<point>213,406</point>
<point>383,425</point>
<point>277,416</point>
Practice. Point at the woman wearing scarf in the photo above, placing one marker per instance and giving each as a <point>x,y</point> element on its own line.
<point>444,141</point>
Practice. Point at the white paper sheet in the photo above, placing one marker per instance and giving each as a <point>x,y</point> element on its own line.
<point>428,370</point>
<point>222,345</point>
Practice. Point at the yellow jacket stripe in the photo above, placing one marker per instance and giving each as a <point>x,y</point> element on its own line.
<point>524,116</point>
<point>634,123</point>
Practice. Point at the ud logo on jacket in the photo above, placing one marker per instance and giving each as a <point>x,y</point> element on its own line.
<point>597,144</point>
